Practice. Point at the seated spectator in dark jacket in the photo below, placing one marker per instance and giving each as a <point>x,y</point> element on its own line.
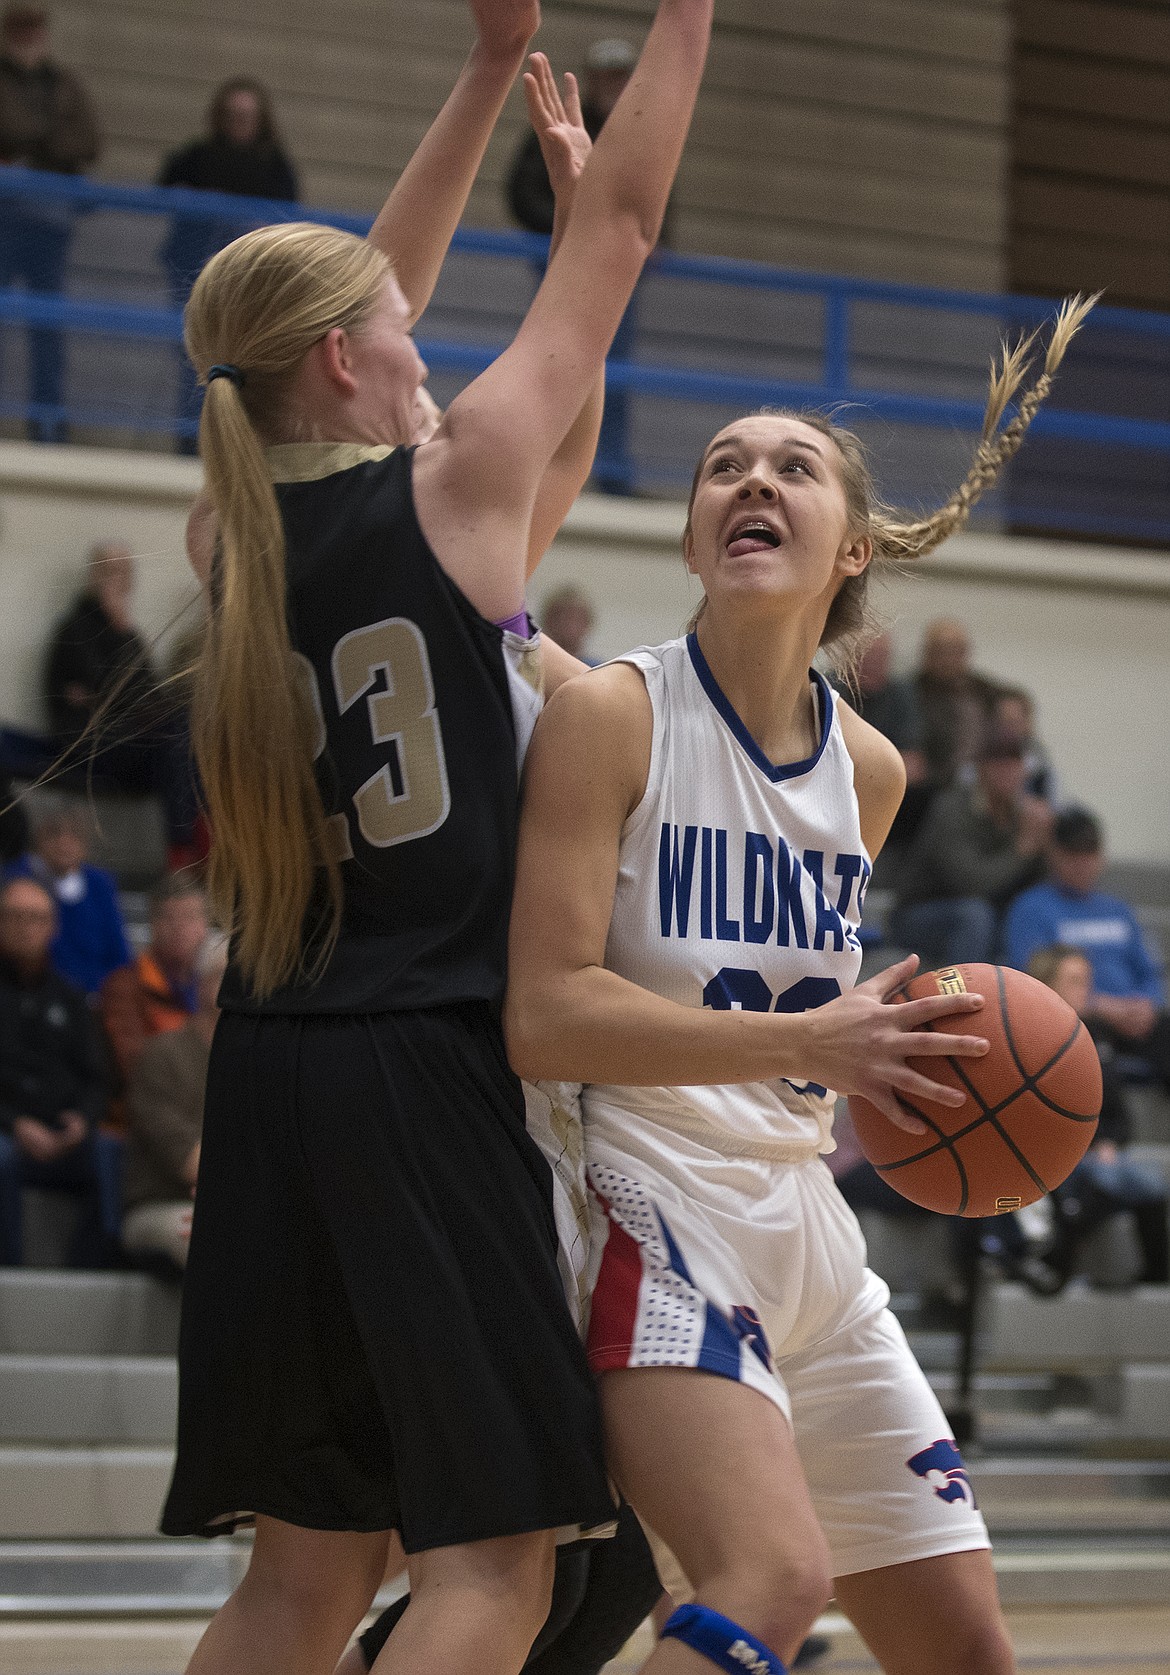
<point>1105,1183</point>
<point>165,1123</point>
<point>98,671</point>
<point>241,154</point>
<point>976,848</point>
<point>96,649</point>
<point>52,1093</point>
<point>1127,1006</point>
<point>1013,712</point>
<point>91,936</point>
<point>159,991</point>
<point>953,701</point>
<point>891,705</point>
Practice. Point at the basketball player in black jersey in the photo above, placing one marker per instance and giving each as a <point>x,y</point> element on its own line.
<point>374,1335</point>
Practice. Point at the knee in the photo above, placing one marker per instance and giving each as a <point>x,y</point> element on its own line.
<point>779,1597</point>
<point>980,1646</point>
<point>525,1585</point>
<point>317,1576</point>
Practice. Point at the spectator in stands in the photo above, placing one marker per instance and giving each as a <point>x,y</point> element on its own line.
<point>953,701</point>
<point>608,67</point>
<point>241,153</point>
<point>107,708</point>
<point>91,937</point>
<point>567,617</point>
<point>1106,1182</point>
<point>159,992</point>
<point>52,1094</point>
<point>165,1122</point>
<point>46,122</point>
<point>1013,712</point>
<point>977,847</point>
<point>891,705</point>
<point>1127,1006</point>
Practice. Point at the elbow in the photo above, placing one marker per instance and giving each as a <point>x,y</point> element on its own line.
<point>524,1039</point>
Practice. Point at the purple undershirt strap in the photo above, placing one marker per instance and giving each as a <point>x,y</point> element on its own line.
<point>518,624</point>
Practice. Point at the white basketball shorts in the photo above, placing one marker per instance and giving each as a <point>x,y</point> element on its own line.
<point>756,1271</point>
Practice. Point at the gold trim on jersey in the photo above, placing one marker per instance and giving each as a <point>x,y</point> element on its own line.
<point>308,462</point>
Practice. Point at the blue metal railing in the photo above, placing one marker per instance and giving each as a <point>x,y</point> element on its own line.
<point>865,339</point>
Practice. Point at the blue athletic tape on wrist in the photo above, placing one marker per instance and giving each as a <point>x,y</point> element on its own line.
<point>716,1637</point>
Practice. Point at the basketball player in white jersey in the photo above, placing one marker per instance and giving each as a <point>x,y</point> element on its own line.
<point>700,824</point>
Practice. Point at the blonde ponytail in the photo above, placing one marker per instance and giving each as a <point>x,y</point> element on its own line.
<point>274,880</point>
<point>896,537</point>
<point>893,538</point>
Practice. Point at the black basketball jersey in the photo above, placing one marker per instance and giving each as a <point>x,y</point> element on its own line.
<point>423,707</point>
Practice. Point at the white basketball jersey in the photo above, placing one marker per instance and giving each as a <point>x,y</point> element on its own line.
<point>740,885</point>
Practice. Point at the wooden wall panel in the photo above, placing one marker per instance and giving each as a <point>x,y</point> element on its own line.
<point>865,136</point>
<point>1090,177</point>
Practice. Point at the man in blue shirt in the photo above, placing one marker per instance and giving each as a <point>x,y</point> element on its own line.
<point>1128,1003</point>
<point>91,936</point>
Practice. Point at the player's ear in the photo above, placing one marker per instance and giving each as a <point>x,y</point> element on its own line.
<point>689,552</point>
<point>335,356</point>
<point>854,557</point>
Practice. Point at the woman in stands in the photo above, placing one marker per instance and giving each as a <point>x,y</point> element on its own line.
<point>700,822</point>
<point>374,1333</point>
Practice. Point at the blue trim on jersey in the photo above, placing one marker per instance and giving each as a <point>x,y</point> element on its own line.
<point>720,1346</point>
<point>675,1256</point>
<point>719,1351</point>
<point>726,1643</point>
<point>775,772</point>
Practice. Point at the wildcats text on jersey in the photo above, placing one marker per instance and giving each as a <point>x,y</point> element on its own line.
<point>751,887</point>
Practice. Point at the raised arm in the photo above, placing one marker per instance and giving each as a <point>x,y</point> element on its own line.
<point>565,145</point>
<point>420,216</point>
<point>476,491</point>
<point>569,1019</point>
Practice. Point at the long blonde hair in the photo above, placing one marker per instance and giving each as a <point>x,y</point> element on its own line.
<point>258,307</point>
<point>896,536</point>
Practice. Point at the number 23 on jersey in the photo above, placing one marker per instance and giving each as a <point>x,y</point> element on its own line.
<point>408,796</point>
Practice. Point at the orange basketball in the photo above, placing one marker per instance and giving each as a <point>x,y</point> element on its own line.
<point>1032,1100</point>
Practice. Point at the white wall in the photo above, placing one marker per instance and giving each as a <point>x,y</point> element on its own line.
<point>1086,628</point>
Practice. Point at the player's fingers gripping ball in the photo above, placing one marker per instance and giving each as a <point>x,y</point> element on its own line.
<point>1031,1109</point>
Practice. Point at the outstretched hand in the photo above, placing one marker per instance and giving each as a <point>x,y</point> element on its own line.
<point>505,26</point>
<point>862,1043</point>
<point>559,125</point>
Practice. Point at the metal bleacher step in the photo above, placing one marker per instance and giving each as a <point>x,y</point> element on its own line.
<point>87,1398</point>
<point>55,1312</point>
<point>81,1492</point>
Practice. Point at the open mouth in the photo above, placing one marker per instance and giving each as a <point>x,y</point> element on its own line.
<point>752,535</point>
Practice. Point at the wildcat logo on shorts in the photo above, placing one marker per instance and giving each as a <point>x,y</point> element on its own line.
<point>751,1659</point>
<point>749,1327</point>
<point>941,1465</point>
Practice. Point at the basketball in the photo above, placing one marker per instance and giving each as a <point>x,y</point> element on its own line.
<point>1032,1100</point>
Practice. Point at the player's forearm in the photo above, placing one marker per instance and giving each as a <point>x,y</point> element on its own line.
<point>637,153</point>
<point>418,220</point>
<point>594,1026</point>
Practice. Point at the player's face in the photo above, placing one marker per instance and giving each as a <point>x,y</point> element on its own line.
<point>769,520</point>
<point>389,369</point>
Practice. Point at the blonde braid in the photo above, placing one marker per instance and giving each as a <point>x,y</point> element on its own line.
<point>894,539</point>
